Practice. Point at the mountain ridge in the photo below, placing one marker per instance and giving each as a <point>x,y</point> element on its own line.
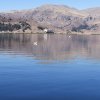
<point>59,18</point>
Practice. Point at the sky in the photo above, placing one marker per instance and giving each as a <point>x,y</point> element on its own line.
<point>6,5</point>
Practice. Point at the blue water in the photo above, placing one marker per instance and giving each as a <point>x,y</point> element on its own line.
<point>47,71</point>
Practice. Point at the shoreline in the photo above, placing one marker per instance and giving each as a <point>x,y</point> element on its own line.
<point>73,33</point>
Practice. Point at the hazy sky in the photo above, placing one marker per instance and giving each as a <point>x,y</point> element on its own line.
<point>27,4</point>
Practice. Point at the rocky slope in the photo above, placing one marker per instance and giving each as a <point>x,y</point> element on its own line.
<point>58,18</point>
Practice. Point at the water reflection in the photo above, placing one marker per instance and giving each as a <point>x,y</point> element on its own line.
<point>51,46</point>
<point>23,78</point>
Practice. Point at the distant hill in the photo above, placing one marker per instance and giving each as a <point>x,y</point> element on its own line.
<point>93,11</point>
<point>59,18</point>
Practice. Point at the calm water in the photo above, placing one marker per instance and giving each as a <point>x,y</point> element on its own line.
<point>49,67</point>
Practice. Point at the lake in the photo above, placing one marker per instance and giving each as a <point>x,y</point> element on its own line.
<point>49,67</point>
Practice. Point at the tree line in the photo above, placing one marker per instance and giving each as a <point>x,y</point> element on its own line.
<point>13,27</point>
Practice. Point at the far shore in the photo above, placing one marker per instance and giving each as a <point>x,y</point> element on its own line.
<point>72,33</point>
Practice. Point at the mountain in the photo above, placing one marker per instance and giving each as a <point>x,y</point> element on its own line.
<point>93,11</point>
<point>58,18</point>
